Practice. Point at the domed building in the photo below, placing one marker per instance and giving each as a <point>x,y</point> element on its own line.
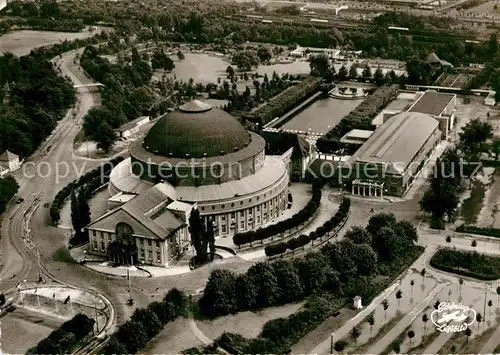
<point>195,157</point>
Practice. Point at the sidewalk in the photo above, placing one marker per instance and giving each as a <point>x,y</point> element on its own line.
<point>324,347</point>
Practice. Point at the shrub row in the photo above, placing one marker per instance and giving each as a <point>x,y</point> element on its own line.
<point>303,240</point>
<point>146,323</point>
<point>360,118</point>
<point>488,231</point>
<point>296,220</point>
<point>279,335</point>
<point>282,103</point>
<point>92,179</point>
<point>66,338</point>
<point>472,264</point>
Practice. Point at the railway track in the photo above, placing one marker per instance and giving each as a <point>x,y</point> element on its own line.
<point>91,347</point>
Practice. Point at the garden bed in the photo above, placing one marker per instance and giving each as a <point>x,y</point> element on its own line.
<point>472,264</point>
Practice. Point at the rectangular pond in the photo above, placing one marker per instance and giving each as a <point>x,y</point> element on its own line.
<point>322,115</point>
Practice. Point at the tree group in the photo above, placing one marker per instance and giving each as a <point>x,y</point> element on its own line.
<point>80,216</point>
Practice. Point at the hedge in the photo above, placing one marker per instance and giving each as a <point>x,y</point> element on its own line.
<point>360,118</point>
<point>93,179</point>
<point>282,103</point>
<point>146,323</point>
<point>488,231</point>
<point>66,338</point>
<point>302,240</point>
<point>296,220</point>
<point>466,263</point>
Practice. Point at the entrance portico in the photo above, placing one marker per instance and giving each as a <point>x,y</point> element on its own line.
<point>368,188</point>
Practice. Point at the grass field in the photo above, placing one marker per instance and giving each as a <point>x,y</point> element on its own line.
<point>22,330</point>
<point>22,42</point>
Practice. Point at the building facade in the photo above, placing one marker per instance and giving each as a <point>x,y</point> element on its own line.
<point>197,156</point>
<point>392,157</point>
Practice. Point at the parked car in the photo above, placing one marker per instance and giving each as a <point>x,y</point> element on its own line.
<point>20,200</point>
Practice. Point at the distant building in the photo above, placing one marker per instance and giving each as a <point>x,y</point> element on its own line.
<point>392,157</point>
<point>356,136</point>
<point>9,161</point>
<point>132,127</point>
<point>440,106</point>
<point>434,60</point>
<point>3,4</point>
<point>300,52</point>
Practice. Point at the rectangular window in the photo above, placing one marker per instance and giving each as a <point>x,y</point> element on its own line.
<point>94,233</point>
<point>103,246</point>
<point>223,229</point>
<point>149,242</point>
<point>242,225</point>
<point>95,245</point>
<point>258,219</point>
<point>157,244</point>
<point>223,218</point>
<point>158,257</point>
<point>233,215</point>
<point>150,255</point>
<point>258,208</point>
<point>143,255</point>
<point>250,212</point>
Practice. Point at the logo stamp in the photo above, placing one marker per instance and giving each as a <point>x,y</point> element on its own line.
<point>453,317</point>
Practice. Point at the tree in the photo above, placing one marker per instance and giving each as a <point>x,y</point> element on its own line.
<point>197,230</point>
<point>379,220</point>
<point>396,346</point>
<point>378,77</point>
<point>152,325</point>
<point>230,71</point>
<point>411,335</point>
<point>358,235</point>
<point>288,281</point>
<point>319,64</point>
<point>355,333</point>
<point>423,272</point>
<point>264,279</point>
<point>412,283</point>
<point>495,147</point>
<point>399,294</point>
<point>436,304</point>
<point>490,303</point>
<point>2,299</point>
<point>425,319</point>
<point>460,283</point>
<point>343,73</point>
<point>448,239</point>
<point>105,137</point>
<point>367,73</point>
<point>468,333</point>
<point>180,55</point>
<point>498,295</point>
<point>385,305</point>
<point>264,54</point>
<point>419,72</point>
<point>371,321</point>
<point>479,319</point>
<point>219,294</point>
<point>340,345</point>
<point>473,244</point>
<point>474,136</point>
<point>353,72</point>
<point>245,60</point>
<point>160,60</point>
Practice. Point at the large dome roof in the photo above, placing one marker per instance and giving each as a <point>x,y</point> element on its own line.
<point>196,130</point>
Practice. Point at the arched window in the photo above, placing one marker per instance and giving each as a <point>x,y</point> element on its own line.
<point>124,234</point>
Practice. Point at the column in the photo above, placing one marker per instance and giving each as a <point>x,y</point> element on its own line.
<point>370,188</point>
<point>364,190</point>
<point>352,189</point>
<point>382,191</point>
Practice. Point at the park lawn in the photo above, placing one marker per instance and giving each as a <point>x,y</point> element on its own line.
<point>472,264</point>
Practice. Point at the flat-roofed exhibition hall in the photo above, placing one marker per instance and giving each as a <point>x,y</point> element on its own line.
<point>196,156</point>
